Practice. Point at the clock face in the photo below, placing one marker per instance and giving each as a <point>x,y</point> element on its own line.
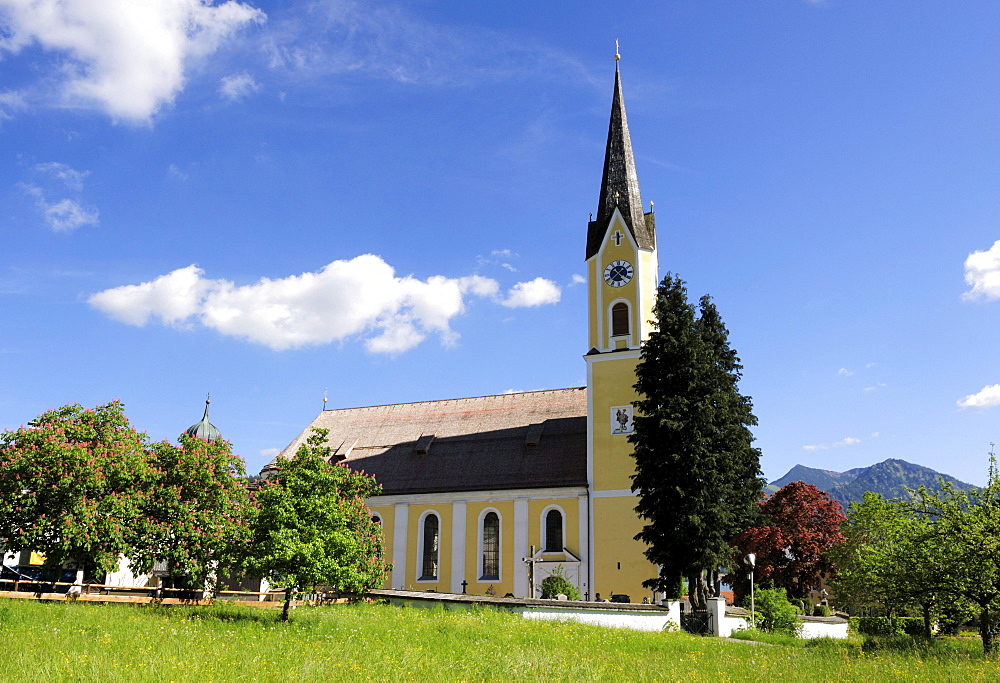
<point>618,273</point>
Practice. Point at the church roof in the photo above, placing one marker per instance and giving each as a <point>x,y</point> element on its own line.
<point>620,183</point>
<point>532,439</point>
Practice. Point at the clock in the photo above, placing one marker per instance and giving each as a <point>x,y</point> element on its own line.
<point>618,273</point>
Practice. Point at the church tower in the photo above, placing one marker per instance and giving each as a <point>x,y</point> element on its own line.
<point>621,282</point>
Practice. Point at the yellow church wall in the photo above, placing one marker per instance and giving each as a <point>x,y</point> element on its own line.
<point>473,522</point>
<point>621,566</point>
<point>414,560</point>
<point>611,382</point>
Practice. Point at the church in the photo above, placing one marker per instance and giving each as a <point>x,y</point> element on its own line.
<point>491,494</point>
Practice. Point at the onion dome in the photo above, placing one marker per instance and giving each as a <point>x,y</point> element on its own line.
<point>205,429</point>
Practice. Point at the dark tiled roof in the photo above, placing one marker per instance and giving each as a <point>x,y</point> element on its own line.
<point>620,184</point>
<point>465,444</point>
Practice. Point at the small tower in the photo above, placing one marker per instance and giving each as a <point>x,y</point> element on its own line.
<point>204,429</point>
<point>621,283</point>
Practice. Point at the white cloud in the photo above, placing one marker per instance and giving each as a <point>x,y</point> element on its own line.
<point>537,292</point>
<point>847,441</point>
<point>877,385</point>
<point>269,452</point>
<point>988,397</point>
<point>982,273</point>
<point>65,215</point>
<point>129,58</point>
<point>577,279</point>
<point>238,86</point>
<point>360,297</point>
<point>391,42</point>
<point>70,177</point>
<point>845,372</point>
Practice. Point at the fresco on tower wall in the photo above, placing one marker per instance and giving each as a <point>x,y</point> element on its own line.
<point>621,419</point>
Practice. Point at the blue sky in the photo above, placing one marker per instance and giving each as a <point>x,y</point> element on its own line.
<point>388,202</point>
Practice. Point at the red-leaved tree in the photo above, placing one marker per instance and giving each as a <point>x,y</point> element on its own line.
<point>801,524</point>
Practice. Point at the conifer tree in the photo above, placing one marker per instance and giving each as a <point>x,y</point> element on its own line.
<point>697,474</point>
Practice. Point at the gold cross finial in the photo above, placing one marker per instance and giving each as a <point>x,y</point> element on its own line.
<point>617,56</point>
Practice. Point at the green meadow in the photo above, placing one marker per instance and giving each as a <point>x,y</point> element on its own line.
<point>90,642</point>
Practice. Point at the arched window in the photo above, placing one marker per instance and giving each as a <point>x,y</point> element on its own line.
<point>553,531</point>
<point>619,319</point>
<point>430,550</point>
<point>491,547</point>
<point>377,519</point>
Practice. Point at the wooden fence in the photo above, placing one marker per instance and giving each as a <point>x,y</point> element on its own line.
<point>27,589</point>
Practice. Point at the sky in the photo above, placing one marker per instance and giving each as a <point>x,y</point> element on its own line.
<point>384,202</point>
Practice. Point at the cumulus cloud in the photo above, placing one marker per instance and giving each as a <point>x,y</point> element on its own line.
<point>238,86</point>
<point>537,292</point>
<point>847,441</point>
<point>982,273</point>
<point>129,58</point>
<point>845,372</point>
<point>577,279</point>
<point>988,397</point>
<point>269,452</point>
<point>358,297</point>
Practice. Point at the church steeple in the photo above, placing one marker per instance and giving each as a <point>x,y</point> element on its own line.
<point>620,183</point>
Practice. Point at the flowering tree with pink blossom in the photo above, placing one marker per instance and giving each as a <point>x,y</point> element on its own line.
<point>73,484</point>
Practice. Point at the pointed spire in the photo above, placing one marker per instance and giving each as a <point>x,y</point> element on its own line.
<point>620,183</point>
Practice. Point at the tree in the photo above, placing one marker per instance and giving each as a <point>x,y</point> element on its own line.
<point>801,524</point>
<point>72,486</point>
<point>311,525</point>
<point>943,544</point>
<point>891,557</point>
<point>968,524</point>
<point>197,512</point>
<point>697,474</point>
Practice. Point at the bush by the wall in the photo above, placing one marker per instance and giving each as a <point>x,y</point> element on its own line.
<point>556,583</point>
<point>775,613</point>
<point>821,611</point>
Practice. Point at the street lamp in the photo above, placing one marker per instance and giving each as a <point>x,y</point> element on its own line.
<point>751,560</point>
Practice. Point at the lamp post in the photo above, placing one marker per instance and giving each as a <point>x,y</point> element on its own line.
<point>751,560</point>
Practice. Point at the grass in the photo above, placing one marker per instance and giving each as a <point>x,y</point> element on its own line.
<point>88,642</point>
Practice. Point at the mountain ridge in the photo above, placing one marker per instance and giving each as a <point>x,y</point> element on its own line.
<point>890,478</point>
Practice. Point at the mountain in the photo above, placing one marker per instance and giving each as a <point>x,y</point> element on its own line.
<point>890,478</point>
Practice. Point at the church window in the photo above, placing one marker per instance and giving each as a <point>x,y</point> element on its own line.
<point>619,319</point>
<point>432,539</point>
<point>553,531</point>
<point>491,547</point>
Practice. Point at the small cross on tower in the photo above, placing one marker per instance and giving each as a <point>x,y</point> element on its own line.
<point>617,238</point>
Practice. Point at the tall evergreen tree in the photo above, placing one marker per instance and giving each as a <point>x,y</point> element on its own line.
<point>697,474</point>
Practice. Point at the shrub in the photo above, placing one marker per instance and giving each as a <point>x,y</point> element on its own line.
<point>775,614</point>
<point>556,583</point>
<point>877,626</point>
<point>821,611</point>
